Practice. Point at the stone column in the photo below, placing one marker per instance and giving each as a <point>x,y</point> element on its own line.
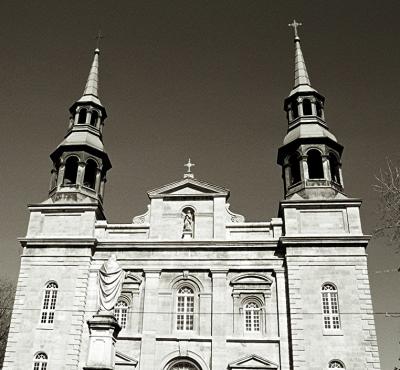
<point>282,318</point>
<point>304,168</point>
<point>326,167</point>
<point>150,324</point>
<point>98,181</point>
<point>61,172</point>
<point>221,310</point>
<point>103,329</point>
<point>81,173</point>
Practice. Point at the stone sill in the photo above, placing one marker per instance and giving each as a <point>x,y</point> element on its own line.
<point>258,339</point>
<point>332,333</point>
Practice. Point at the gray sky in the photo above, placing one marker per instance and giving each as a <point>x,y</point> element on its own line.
<point>204,79</point>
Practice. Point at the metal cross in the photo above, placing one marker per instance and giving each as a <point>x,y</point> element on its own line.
<point>295,24</point>
<point>98,38</point>
<point>189,165</point>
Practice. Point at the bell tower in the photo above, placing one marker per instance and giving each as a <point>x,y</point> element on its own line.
<point>322,240</point>
<point>80,162</point>
<point>310,156</point>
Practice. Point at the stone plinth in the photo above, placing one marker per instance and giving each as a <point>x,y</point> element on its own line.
<point>103,329</point>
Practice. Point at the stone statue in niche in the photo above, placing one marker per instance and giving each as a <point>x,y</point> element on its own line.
<point>188,220</point>
<point>111,277</point>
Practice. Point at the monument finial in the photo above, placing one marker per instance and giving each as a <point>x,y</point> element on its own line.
<point>189,173</point>
<point>294,25</point>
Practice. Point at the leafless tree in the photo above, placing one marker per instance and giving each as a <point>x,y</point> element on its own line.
<point>7,293</point>
<point>388,188</point>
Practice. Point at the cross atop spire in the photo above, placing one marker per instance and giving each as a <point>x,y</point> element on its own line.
<point>300,71</point>
<point>98,39</point>
<point>189,173</point>
<point>294,25</point>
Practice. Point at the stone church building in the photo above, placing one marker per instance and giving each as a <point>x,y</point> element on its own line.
<point>203,289</point>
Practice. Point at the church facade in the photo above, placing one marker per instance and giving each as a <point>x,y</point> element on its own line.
<point>203,289</point>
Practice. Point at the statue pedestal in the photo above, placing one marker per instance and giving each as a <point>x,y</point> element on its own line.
<point>103,330</point>
<point>187,235</point>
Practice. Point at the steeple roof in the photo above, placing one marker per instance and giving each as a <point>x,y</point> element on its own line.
<point>90,94</point>
<point>301,79</point>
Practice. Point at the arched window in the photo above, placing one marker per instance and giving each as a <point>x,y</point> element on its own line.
<point>336,364</point>
<point>183,365</point>
<point>71,171</point>
<point>330,307</point>
<point>89,179</point>
<point>93,118</point>
<point>294,165</point>
<point>318,106</point>
<point>295,110</point>
<point>314,161</point>
<point>334,167</point>
<point>307,109</point>
<point>49,303</point>
<point>252,317</point>
<point>185,308</point>
<point>121,313</point>
<point>40,361</point>
<point>82,116</point>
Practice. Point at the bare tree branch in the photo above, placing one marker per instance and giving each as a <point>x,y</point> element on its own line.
<point>7,293</point>
<point>388,189</point>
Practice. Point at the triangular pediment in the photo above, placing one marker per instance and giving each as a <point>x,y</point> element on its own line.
<point>252,362</point>
<point>188,187</point>
<point>124,361</point>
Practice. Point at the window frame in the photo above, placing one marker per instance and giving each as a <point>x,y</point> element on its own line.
<point>122,317</point>
<point>336,362</point>
<point>40,363</point>
<point>331,321</point>
<point>49,303</point>
<point>253,317</point>
<point>185,314</point>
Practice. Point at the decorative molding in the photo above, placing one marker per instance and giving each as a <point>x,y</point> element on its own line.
<point>233,217</point>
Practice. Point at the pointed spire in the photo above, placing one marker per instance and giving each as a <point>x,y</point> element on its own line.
<point>300,70</point>
<point>90,94</point>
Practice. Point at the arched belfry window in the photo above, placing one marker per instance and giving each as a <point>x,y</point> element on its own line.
<point>334,168</point>
<point>121,313</point>
<point>336,364</point>
<point>330,307</point>
<point>94,117</point>
<point>294,166</point>
<point>89,179</point>
<point>40,361</point>
<point>49,303</point>
<point>314,162</point>
<point>307,109</point>
<point>252,317</point>
<point>82,115</point>
<point>71,171</point>
<point>185,308</point>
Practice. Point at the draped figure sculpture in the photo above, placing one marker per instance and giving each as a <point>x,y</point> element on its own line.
<point>111,277</point>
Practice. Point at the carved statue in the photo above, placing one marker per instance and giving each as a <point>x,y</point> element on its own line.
<point>188,221</point>
<point>111,277</point>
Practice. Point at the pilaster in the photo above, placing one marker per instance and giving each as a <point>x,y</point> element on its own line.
<point>150,319</point>
<point>220,315</point>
